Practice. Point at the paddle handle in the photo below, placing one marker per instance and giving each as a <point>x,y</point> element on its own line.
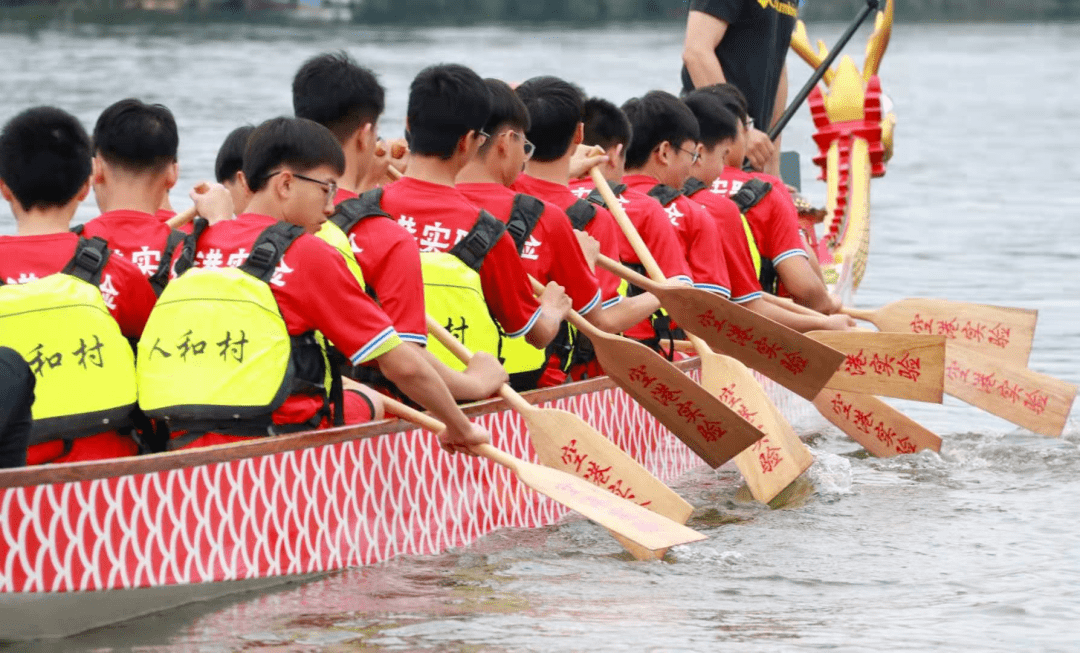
<point>573,317</point>
<point>462,353</point>
<point>181,219</point>
<point>620,270</point>
<point>428,422</point>
<point>859,314</point>
<point>631,232</point>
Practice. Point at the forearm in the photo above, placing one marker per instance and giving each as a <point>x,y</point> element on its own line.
<point>462,386</point>
<point>791,319</point>
<point>703,35</point>
<point>625,314</point>
<point>545,329</point>
<point>412,374</point>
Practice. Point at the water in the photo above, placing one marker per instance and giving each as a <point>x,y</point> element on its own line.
<point>973,549</point>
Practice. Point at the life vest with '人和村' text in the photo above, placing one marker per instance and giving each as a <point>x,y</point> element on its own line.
<point>216,354</point>
<point>83,364</point>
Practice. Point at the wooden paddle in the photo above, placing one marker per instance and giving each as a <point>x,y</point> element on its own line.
<point>771,464</point>
<point>901,365</point>
<point>796,362</point>
<point>878,427</point>
<point>1002,332</point>
<point>639,525</point>
<point>1034,401</point>
<point>564,441</point>
<point>181,219</point>
<point>711,429</point>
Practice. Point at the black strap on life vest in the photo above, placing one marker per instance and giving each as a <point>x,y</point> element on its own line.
<point>478,242</point>
<point>160,278</point>
<point>596,198</point>
<point>524,215</point>
<point>91,255</point>
<point>269,248</point>
<point>693,186</point>
<point>77,229</point>
<point>351,211</point>
<point>751,193</point>
<point>664,194</point>
<point>581,213</point>
<point>191,245</point>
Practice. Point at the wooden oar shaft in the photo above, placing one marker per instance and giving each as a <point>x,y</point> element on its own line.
<point>462,353</point>
<point>181,219</point>
<point>628,229</point>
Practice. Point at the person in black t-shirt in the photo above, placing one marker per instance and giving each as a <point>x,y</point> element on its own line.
<point>743,42</point>
<point>16,399</point>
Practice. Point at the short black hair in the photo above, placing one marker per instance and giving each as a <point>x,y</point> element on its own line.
<point>230,158</point>
<point>732,98</point>
<point>555,108</point>
<point>606,125</point>
<point>656,117</point>
<point>506,108</point>
<point>715,121</point>
<point>339,94</point>
<point>44,157</point>
<point>298,143</point>
<point>136,136</point>
<point>446,102</point>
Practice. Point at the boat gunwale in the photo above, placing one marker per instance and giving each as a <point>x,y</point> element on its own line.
<point>266,446</point>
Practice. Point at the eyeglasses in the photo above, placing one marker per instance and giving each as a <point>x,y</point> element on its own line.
<point>695,155</point>
<point>529,147</point>
<point>329,186</point>
<point>483,134</point>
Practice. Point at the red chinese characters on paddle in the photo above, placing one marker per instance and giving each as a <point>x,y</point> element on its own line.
<point>972,331</point>
<point>768,456</point>
<point>908,367</point>
<point>1035,400</point>
<point>710,430</point>
<point>595,474</point>
<point>792,361</point>
<point>865,422</point>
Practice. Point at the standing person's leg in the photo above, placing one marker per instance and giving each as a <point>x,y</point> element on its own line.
<point>16,398</point>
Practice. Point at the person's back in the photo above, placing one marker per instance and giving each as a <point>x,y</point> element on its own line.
<point>71,328</point>
<point>135,147</point>
<point>291,166</point>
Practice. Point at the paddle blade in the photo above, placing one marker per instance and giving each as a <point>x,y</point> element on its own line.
<point>712,430</point>
<point>796,362</point>
<point>566,442</point>
<point>1034,401</point>
<point>998,331</point>
<point>639,525</point>
<point>772,463</point>
<point>878,427</point>
<point>901,365</point>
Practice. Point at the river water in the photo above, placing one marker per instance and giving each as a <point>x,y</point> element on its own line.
<point>977,548</point>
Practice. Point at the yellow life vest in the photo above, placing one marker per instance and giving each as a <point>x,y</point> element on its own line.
<point>216,354</point>
<point>747,197</point>
<point>85,367</point>
<point>454,296</point>
<point>522,361</point>
<point>339,240</point>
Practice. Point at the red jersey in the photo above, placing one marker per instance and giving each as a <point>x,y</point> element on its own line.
<point>315,291</point>
<point>745,285</point>
<point>129,298</point>
<point>551,252</point>
<point>438,217</point>
<point>164,215</point>
<point>652,224</point>
<point>390,260</point>
<point>139,237</point>
<point>699,236</point>
<point>603,228</point>
<point>773,221</point>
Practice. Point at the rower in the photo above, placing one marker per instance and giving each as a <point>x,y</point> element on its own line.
<point>545,239</point>
<point>786,265</point>
<point>346,98</point>
<point>719,128</point>
<point>607,127</point>
<point>229,166</point>
<point>68,305</point>
<point>16,398</point>
<point>251,368</point>
<point>134,168</point>
<point>556,109</point>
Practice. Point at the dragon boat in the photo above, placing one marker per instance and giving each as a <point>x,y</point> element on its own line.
<point>87,544</point>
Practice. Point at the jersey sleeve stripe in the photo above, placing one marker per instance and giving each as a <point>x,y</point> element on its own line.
<point>418,338</point>
<point>682,278</point>
<point>377,346</point>
<point>747,298</point>
<point>593,303</point>
<point>788,254</point>
<point>614,300</point>
<point>527,327</point>
<point>713,288</point>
